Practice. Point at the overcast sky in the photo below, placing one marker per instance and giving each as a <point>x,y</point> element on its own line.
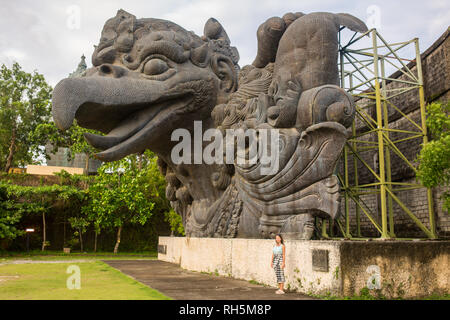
<point>50,36</point>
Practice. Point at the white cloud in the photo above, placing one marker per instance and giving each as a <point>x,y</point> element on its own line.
<point>439,23</point>
<point>37,36</point>
<point>13,54</point>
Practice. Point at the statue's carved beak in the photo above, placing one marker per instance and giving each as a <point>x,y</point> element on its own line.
<point>99,102</point>
<point>126,109</point>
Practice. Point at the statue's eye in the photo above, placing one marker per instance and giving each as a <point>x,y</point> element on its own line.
<point>155,66</point>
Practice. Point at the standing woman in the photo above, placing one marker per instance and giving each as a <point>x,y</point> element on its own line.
<point>278,262</point>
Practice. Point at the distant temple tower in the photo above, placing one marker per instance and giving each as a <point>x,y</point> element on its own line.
<point>81,69</point>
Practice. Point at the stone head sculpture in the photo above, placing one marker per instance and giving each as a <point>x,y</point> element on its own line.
<point>151,77</point>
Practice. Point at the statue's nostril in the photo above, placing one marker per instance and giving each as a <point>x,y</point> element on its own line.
<point>106,69</point>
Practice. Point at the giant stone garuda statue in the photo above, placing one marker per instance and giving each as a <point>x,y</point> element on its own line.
<point>151,77</point>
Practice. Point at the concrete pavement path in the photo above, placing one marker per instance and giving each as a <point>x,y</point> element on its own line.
<point>180,284</point>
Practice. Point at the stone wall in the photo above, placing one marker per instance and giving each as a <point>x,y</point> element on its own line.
<point>436,71</point>
<point>249,259</point>
<point>407,268</point>
<point>340,268</point>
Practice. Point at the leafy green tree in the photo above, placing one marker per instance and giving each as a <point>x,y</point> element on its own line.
<point>38,200</point>
<point>24,104</point>
<point>72,138</point>
<point>434,158</point>
<point>80,224</point>
<point>122,193</point>
<point>175,221</point>
<point>77,218</point>
<point>9,216</point>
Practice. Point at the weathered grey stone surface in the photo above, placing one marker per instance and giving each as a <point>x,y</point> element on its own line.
<point>151,76</point>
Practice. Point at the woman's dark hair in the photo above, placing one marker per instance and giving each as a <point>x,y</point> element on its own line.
<point>279,235</point>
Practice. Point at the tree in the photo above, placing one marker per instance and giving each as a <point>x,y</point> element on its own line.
<point>81,225</point>
<point>77,217</point>
<point>434,158</point>
<point>9,216</point>
<point>72,138</point>
<point>122,193</point>
<point>24,104</point>
<point>175,221</point>
<point>40,200</point>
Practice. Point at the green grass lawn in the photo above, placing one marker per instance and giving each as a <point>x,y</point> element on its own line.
<point>48,282</point>
<point>59,255</point>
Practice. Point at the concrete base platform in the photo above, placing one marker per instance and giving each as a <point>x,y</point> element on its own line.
<point>391,268</point>
<point>180,284</point>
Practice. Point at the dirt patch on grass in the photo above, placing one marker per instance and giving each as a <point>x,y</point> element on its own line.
<point>6,278</point>
<point>43,261</point>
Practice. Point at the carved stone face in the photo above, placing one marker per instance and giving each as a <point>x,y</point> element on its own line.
<point>149,77</point>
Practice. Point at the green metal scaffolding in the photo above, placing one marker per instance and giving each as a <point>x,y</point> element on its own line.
<point>362,73</point>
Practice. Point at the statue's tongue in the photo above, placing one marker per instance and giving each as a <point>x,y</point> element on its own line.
<point>128,127</point>
<point>137,142</point>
